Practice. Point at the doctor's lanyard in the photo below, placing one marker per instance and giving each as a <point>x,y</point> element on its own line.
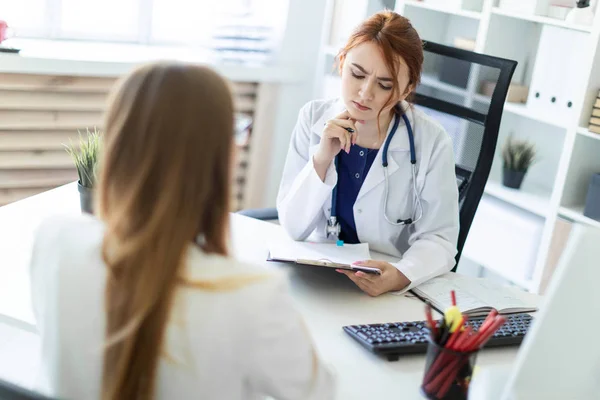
<point>333,227</point>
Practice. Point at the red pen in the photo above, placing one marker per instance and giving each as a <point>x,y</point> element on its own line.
<point>456,334</point>
<point>488,321</point>
<point>490,332</point>
<point>453,295</point>
<point>466,336</point>
<point>431,322</point>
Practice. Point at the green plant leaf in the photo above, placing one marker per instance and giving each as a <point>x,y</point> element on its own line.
<point>518,155</point>
<point>86,155</point>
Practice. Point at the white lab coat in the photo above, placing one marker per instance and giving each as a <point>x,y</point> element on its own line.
<point>245,343</point>
<point>424,249</point>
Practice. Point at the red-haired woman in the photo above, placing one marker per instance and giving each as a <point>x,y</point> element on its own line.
<point>369,167</point>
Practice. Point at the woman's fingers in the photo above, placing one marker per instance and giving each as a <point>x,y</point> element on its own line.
<point>368,277</point>
<point>344,123</point>
<point>343,139</point>
<point>335,131</point>
<point>348,141</point>
<point>365,285</point>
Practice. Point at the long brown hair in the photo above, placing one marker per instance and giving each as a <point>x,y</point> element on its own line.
<point>164,184</point>
<point>395,36</point>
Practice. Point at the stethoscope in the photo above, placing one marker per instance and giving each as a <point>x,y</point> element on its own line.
<point>333,226</point>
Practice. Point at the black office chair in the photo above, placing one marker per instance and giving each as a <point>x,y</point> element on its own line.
<point>10,391</point>
<point>472,120</point>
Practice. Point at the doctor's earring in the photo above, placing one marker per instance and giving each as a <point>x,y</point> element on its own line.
<point>201,240</point>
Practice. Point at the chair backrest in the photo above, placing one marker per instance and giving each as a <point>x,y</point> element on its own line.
<point>465,92</point>
<point>10,391</point>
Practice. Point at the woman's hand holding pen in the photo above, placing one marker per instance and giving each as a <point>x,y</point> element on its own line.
<point>339,134</point>
<point>391,279</point>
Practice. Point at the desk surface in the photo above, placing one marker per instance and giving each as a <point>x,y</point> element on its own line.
<point>326,299</point>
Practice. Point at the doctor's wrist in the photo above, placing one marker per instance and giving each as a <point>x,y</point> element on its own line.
<point>321,164</point>
<point>400,281</point>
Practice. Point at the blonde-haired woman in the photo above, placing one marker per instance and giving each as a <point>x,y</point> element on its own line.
<point>144,301</point>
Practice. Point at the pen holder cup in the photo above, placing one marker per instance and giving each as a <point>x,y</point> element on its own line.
<point>447,373</point>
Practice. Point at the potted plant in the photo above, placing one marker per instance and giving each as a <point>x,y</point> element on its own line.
<point>85,157</point>
<point>517,156</point>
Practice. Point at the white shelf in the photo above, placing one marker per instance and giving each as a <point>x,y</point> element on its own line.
<point>541,20</point>
<point>585,132</point>
<point>529,198</point>
<point>434,82</point>
<point>445,10</point>
<point>576,214</point>
<point>522,110</point>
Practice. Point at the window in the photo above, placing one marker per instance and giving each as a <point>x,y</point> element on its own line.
<point>29,16</point>
<point>235,29</point>
<point>105,19</point>
<point>194,26</point>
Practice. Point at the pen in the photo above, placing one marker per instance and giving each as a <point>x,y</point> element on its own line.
<point>431,322</point>
<point>456,334</point>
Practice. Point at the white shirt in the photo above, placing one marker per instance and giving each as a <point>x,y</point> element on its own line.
<point>238,344</point>
<point>424,249</point>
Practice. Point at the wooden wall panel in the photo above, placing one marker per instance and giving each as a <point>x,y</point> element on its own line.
<point>41,113</point>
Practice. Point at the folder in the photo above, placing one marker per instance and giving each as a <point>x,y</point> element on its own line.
<point>320,254</point>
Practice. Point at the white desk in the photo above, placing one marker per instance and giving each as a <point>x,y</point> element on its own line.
<point>326,299</point>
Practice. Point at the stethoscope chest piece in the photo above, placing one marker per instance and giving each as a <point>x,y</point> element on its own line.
<point>333,227</point>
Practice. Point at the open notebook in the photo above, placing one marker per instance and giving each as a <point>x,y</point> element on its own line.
<point>329,255</point>
<point>475,296</point>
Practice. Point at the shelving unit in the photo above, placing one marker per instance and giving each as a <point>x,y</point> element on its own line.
<point>575,213</point>
<point>554,187</point>
<point>434,82</point>
<point>585,132</point>
<point>450,11</point>
<point>541,20</point>
<point>534,201</point>
<point>521,110</point>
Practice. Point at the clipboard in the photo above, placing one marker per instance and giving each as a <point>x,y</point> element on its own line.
<point>328,264</point>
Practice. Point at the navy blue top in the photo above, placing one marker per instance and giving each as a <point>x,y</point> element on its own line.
<point>352,169</point>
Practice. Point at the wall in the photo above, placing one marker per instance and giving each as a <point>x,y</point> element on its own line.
<point>300,50</point>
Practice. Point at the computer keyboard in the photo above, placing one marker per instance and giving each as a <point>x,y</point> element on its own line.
<point>399,338</point>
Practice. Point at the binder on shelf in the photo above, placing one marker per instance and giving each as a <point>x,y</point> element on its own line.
<point>556,72</point>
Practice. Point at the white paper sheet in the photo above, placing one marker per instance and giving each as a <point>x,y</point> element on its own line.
<point>284,248</point>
